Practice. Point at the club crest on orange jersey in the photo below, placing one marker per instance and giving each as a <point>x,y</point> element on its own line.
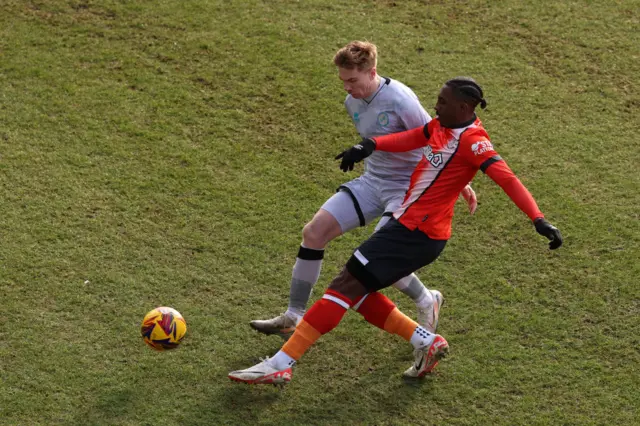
<point>434,159</point>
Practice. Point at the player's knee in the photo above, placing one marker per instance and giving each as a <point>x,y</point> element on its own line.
<point>314,235</point>
<point>362,275</point>
<point>347,285</point>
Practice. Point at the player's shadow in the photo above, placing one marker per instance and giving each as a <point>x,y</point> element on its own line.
<point>113,406</point>
<point>348,397</point>
<point>379,392</point>
<point>331,378</point>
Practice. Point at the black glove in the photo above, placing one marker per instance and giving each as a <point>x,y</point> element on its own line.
<point>356,153</point>
<point>546,229</point>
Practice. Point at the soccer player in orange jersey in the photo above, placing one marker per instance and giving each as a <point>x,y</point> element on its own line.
<point>455,146</point>
<point>377,106</point>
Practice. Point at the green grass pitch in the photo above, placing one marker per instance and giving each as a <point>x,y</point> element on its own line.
<point>170,152</point>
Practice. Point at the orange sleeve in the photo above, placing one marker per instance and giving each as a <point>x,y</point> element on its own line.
<point>501,174</point>
<point>403,141</point>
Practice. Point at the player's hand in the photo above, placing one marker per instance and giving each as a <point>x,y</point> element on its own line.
<point>546,229</point>
<point>470,197</point>
<point>356,153</point>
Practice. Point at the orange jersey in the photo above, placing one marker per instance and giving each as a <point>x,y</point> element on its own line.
<point>451,158</point>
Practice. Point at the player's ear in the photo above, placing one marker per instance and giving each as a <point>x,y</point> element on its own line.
<point>373,72</point>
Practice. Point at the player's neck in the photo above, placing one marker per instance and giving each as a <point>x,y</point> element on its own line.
<point>463,122</point>
<point>373,88</point>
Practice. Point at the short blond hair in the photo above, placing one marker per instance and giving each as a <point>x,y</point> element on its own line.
<point>357,54</point>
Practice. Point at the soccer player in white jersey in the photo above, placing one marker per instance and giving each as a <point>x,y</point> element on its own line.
<point>377,106</point>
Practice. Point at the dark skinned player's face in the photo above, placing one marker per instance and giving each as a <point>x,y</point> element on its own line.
<point>450,110</point>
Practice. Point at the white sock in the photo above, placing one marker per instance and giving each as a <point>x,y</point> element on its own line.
<point>281,361</point>
<point>421,337</point>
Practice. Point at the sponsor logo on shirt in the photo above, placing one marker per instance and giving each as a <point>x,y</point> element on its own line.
<point>383,119</point>
<point>356,117</point>
<point>481,147</point>
<point>434,159</point>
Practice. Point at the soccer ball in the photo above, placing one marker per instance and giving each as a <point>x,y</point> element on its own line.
<point>163,328</point>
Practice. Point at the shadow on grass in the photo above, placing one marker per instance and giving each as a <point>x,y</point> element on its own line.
<point>374,398</point>
<point>114,406</point>
<point>331,385</point>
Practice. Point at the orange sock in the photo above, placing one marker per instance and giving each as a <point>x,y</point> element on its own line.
<point>323,317</point>
<point>378,310</point>
<point>400,324</point>
<point>304,336</point>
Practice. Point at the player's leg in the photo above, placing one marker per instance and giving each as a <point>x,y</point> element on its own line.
<point>392,252</point>
<point>327,313</point>
<point>350,289</point>
<point>352,206</point>
<point>428,302</point>
<point>323,228</point>
<point>321,318</point>
<point>344,211</point>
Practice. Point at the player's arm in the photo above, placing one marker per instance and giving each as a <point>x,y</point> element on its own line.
<point>395,142</point>
<point>498,170</point>
<point>477,149</point>
<point>402,141</point>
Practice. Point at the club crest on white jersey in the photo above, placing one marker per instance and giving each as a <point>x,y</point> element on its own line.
<point>383,119</point>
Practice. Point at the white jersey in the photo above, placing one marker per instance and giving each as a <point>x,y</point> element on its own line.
<point>392,108</point>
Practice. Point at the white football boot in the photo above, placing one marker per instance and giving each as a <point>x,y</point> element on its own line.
<point>427,357</point>
<point>282,325</point>
<point>262,374</point>
<point>428,317</point>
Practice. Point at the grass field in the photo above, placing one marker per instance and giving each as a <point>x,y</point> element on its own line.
<point>170,152</point>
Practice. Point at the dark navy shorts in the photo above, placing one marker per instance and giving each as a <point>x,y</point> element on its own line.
<point>391,253</point>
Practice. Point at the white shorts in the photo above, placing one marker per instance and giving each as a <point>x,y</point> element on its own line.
<point>360,201</point>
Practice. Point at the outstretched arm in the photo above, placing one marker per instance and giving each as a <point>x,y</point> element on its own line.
<point>501,174</point>
<point>403,141</point>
